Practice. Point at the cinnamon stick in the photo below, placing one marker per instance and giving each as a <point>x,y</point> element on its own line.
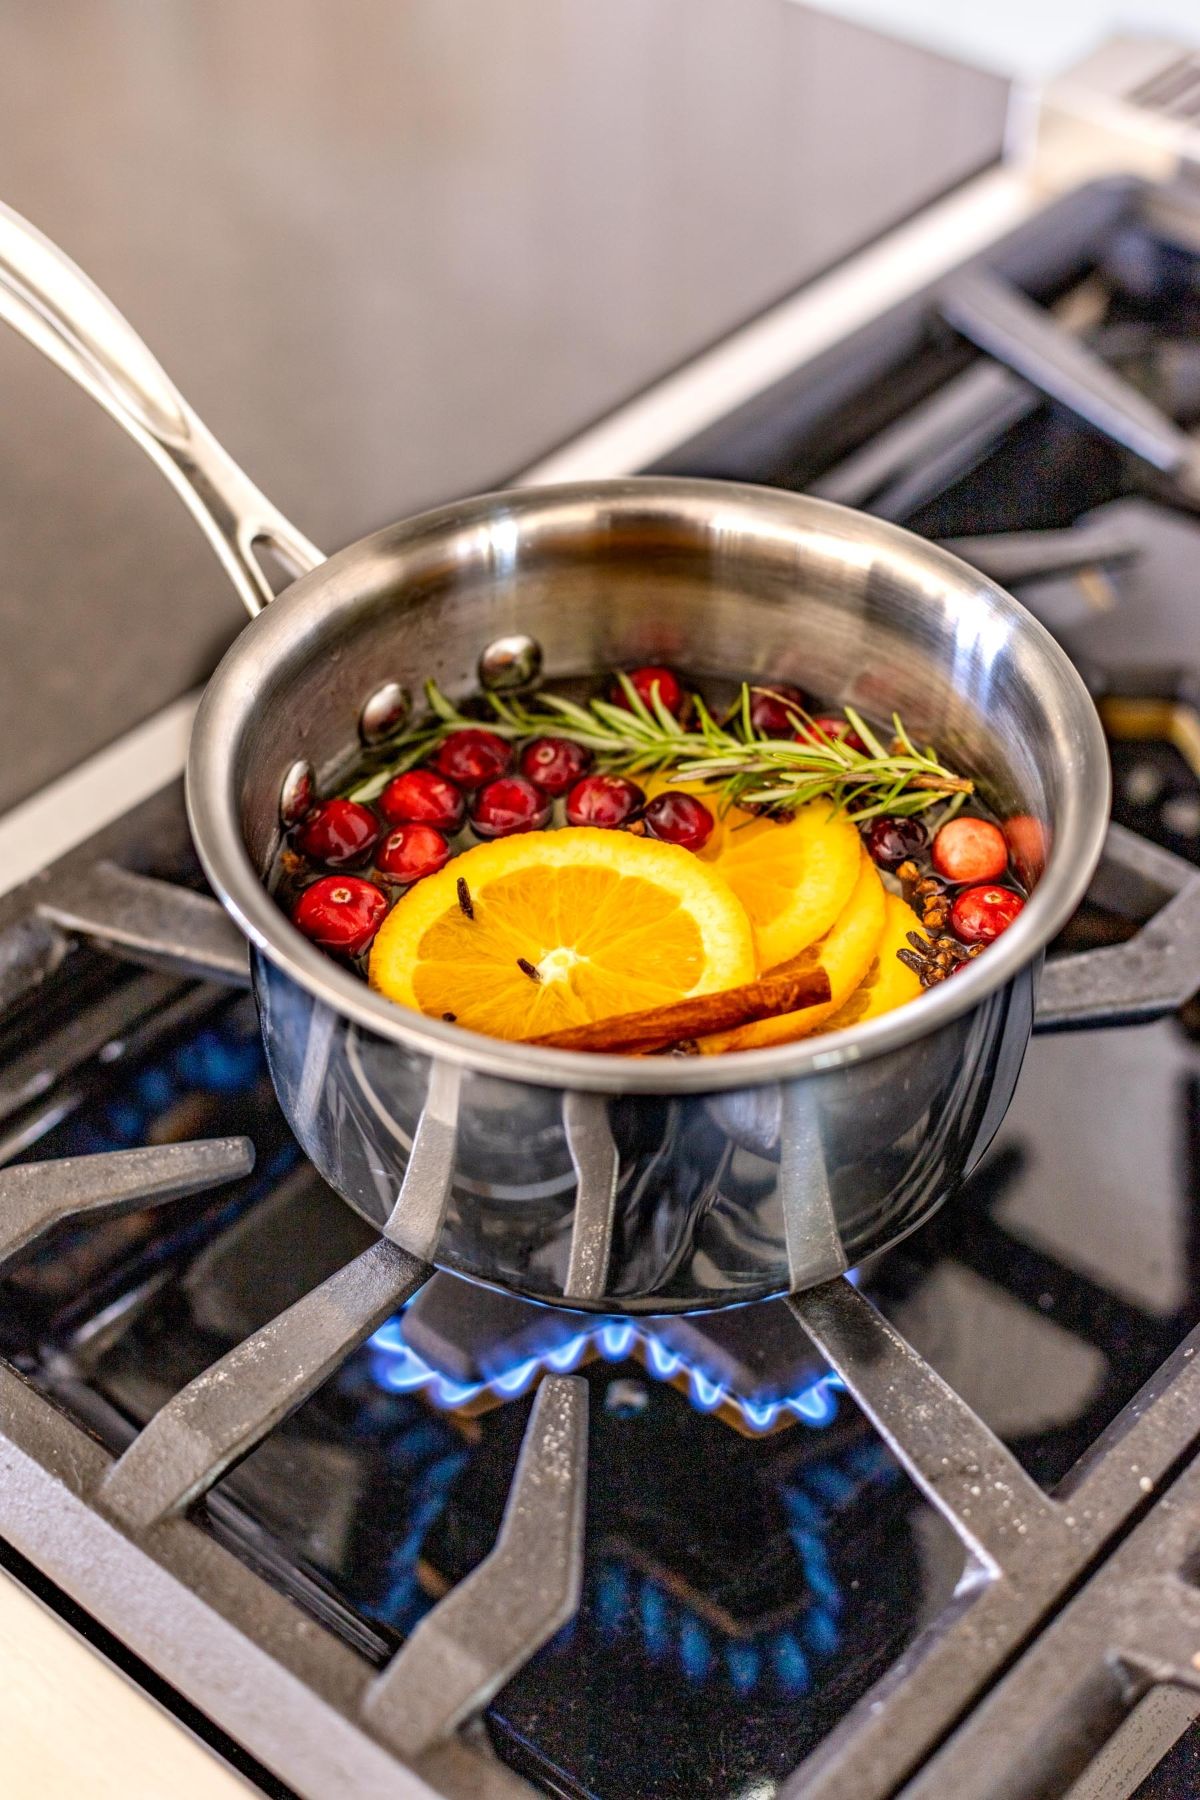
<point>660,1026</point>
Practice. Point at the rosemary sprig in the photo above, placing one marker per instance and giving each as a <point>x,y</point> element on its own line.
<point>743,769</point>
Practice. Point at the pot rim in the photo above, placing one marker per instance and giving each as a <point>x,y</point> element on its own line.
<point>213,815</point>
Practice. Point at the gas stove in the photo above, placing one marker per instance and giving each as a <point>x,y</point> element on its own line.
<point>929,1530</point>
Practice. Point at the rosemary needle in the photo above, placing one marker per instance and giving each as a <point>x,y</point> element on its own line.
<point>743,769</point>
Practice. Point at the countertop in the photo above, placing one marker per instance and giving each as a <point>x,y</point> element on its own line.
<point>391,253</point>
<point>68,1720</point>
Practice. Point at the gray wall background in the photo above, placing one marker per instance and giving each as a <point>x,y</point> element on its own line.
<point>391,250</point>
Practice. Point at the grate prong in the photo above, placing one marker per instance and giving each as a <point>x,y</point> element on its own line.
<point>147,921</point>
<point>415,1222</point>
<point>810,1228</point>
<point>35,1196</point>
<point>960,1466</point>
<point>462,1653</point>
<point>1135,1623</point>
<point>597,1166</point>
<point>229,1408</point>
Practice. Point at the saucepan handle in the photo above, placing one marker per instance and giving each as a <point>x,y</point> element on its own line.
<point>52,304</point>
<point>1153,972</point>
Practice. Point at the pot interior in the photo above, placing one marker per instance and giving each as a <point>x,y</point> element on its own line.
<point>720,581</point>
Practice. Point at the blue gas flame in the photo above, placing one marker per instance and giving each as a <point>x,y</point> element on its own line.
<point>402,1370</point>
<point>625,1602</point>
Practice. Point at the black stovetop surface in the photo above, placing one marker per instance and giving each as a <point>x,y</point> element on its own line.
<point>742,1587</point>
<point>755,1556</point>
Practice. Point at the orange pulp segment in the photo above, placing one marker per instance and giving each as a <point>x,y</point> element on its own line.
<point>609,923</point>
<point>793,876</point>
<point>846,953</point>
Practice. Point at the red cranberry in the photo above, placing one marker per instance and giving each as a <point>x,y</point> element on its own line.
<point>507,806</point>
<point>472,757</point>
<point>679,819</point>
<point>554,764</point>
<point>645,681</point>
<point>840,730</point>
<point>423,797</point>
<point>338,833</point>
<point>970,850</point>
<point>773,709</point>
<point>340,912</point>
<point>605,800</point>
<point>1027,845</point>
<point>980,914</point>
<point>411,852</point>
<point>893,841</point>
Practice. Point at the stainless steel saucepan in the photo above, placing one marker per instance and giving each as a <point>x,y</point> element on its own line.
<point>606,1183</point>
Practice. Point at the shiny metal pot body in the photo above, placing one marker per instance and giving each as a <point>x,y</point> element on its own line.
<point>613,1183</point>
<point>659,1183</point>
<point>695,1200</point>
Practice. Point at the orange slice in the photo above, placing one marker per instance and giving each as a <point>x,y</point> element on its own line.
<point>610,923</point>
<point>888,982</point>
<point>846,953</point>
<point>793,877</point>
